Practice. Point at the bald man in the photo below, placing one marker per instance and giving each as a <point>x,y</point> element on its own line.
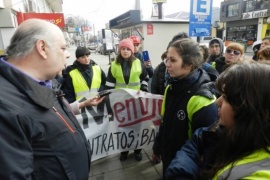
<point>40,137</point>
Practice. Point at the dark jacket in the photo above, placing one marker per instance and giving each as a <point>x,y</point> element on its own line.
<point>40,137</point>
<point>149,70</point>
<point>87,73</point>
<point>159,80</point>
<point>188,162</point>
<point>173,131</point>
<point>212,58</point>
<point>220,65</point>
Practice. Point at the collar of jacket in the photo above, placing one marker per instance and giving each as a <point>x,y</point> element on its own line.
<point>41,95</point>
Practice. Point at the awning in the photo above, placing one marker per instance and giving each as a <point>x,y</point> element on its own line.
<point>127,19</point>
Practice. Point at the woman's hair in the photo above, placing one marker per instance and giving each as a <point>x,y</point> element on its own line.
<point>189,51</point>
<point>164,55</point>
<point>247,89</point>
<point>264,52</point>
<point>178,36</point>
<point>236,46</point>
<point>205,51</point>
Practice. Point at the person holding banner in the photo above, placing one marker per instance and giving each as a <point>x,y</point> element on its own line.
<point>84,77</point>
<point>188,102</point>
<point>127,72</point>
<point>39,135</point>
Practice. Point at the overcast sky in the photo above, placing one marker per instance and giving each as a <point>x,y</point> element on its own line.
<point>100,12</point>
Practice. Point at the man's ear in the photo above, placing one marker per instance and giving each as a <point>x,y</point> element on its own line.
<point>41,48</point>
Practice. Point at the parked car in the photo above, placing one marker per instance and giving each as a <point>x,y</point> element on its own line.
<point>98,48</point>
<point>92,46</point>
<point>205,40</point>
<point>102,50</point>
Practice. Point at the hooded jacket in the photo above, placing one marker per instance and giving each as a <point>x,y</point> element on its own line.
<point>39,135</point>
<point>212,58</point>
<point>177,121</point>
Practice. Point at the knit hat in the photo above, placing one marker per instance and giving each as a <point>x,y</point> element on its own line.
<point>82,51</point>
<point>126,43</point>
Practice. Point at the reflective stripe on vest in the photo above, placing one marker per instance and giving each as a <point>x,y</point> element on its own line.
<point>214,65</point>
<point>80,86</point>
<point>134,78</point>
<point>195,103</point>
<point>254,166</point>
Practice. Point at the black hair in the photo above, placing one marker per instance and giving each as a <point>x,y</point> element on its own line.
<point>245,87</point>
<point>82,51</point>
<point>189,50</point>
<point>178,36</point>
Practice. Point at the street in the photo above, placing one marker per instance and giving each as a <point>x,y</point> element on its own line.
<point>103,60</point>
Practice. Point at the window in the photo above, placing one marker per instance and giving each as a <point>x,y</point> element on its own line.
<point>255,5</point>
<point>233,10</point>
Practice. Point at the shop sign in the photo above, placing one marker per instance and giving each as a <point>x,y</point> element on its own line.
<point>200,17</point>
<point>55,18</point>
<point>255,14</point>
<point>150,29</point>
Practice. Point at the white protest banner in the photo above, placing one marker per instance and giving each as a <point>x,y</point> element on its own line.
<point>126,120</point>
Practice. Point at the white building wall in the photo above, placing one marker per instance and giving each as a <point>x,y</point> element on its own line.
<point>157,43</point>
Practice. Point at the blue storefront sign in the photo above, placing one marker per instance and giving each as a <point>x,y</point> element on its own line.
<point>200,17</point>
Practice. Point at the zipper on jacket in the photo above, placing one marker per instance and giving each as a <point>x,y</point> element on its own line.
<point>63,119</point>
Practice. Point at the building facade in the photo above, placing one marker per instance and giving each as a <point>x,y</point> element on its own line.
<point>246,20</point>
<point>13,12</point>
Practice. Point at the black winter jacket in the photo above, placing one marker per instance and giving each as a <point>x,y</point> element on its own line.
<point>39,135</point>
<point>173,131</point>
<point>159,79</point>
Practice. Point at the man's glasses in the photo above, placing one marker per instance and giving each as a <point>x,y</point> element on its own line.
<point>235,52</point>
<point>136,44</point>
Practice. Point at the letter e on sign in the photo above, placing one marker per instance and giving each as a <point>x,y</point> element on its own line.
<point>201,7</point>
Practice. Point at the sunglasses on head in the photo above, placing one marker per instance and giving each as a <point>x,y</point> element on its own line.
<point>235,52</point>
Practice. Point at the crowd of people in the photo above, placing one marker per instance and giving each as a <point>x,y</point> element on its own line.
<point>215,111</point>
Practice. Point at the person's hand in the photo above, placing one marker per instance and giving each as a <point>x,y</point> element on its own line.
<point>147,64</point>
<point>91,102</point>
<point>155,159</point>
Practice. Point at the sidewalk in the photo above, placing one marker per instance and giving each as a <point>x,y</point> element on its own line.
<point>111,168</point>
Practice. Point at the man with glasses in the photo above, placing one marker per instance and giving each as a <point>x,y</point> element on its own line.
<point>233,54</point>
<point>216,49</point>
<point>83,77</point>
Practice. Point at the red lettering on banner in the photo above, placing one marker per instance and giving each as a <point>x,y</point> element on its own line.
<point>130,109</point>
<point>119,107</point>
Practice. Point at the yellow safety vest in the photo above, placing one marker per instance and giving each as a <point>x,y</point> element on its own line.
<point>134,77</point>
<point>80,86</point>
<point>255,166</point>
<point>195,103</point>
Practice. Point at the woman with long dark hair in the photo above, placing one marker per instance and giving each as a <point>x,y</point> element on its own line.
<point>238,146</point>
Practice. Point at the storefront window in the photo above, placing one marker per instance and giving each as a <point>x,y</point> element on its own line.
<point>242,33</point>
<point>233,10</point>
<point>255,5</point>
